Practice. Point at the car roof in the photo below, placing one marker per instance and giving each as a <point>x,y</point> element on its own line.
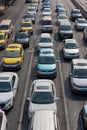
<point>44,120</point>
<point>45,35</point>
<point>46,50</point>
<point>43,85</point>
<point>47,54</point>
<point>6,76</point>
<point>65,23</point>
<point>80,63</point>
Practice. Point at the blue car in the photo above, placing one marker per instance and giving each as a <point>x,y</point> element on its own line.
<point>46,66</point>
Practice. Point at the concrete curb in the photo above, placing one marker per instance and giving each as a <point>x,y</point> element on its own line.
<point>81,7</point>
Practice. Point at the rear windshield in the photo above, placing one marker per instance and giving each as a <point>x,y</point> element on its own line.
<point>47,22</point>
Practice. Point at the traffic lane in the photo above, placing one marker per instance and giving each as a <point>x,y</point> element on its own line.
<point>14,114</point>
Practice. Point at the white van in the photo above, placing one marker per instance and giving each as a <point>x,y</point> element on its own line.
<point>44,120</point>
<point>6,26</point>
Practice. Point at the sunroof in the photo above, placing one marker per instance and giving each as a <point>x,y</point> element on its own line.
<point>42,87</point>
<point>4,78</point>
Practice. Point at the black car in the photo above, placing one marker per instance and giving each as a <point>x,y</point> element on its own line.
<point>75,13</point>
<point>82,120</point>
<point>23,38</point>
<point>31,17</point>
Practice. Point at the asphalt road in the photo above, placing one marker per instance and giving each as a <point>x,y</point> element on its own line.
<point>69,104</point>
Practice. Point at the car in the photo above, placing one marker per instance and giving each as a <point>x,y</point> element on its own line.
<point>80,24</point>
<point>61,17</point>
<point>42,96</point>
<point>61,11</point>
<point>85,34</point>
<point>78,76</point>
<point>45,41</point>
<point>31,10</point>
<point>75,13</point>
<point>26,25</point>
<point>23,38</point>
<point>45,5</point>
<point>46,12</point>
<point>3,39</point>
<point>46,65</point>
<point>3,120</point>
<point>65,30</point>
<point>47,24</point>
<point>8,89</point>
<point>70,49</point>
<point>13,57</point>
<point>83,117</point>
<point>46,51</point>
<point>31,17</point>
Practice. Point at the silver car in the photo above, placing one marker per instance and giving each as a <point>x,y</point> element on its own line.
<point>70,49</point>
<point>42,96</point>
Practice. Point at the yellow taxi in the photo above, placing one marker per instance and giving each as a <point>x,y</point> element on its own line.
<point>3,39</point>
<point>13,57</point>
<point>26,25</point>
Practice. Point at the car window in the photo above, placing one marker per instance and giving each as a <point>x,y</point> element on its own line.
<point>13,81</point>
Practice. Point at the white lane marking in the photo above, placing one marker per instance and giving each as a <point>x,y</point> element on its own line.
<point>25,93</point>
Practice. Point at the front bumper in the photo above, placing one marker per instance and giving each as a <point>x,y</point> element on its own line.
<point>11,66</point>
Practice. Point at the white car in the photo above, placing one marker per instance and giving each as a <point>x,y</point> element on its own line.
<point>80,23</point>
<point>3,120</point>
<point>61,17</point>
<point>42,96</point>
<point>45,41</point>
<point>78,76</point>
<point>31,10</point>
<point>70,49</point>
<point>46,12</point>
<point>8,89</point>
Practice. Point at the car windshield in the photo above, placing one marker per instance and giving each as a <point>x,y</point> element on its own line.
<point>47,22</point>
<point>45,40</point>
<point>5,86</point>
<point>65,28</point>
<point>76,12</point>
<point>70,46</point>
<point>46,10</point>
<point>22,35</point>
<point>80,73</point>
<point>46,60</point>
<point>26,25</point>
<point>62,10</point>
<point>1,37</point>
<point>31,9</point>
<point>12,54</point>
<point>3,27</point>
<point>42,97</point>
<point>82,21</point>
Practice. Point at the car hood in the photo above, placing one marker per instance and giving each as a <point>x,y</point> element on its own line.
<point>77,15</point>
<point>71,51</point>
<point>80,81</point>
<point>5,96</point>
<point>34,107</point>
<point>49,44</point>
<point>46,66</point>
<point>10,60</point>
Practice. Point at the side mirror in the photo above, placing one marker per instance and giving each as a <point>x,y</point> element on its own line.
<point>57,98</point>
<point>28,98</point>
<point>70,74</point>
<point>56,61</point>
